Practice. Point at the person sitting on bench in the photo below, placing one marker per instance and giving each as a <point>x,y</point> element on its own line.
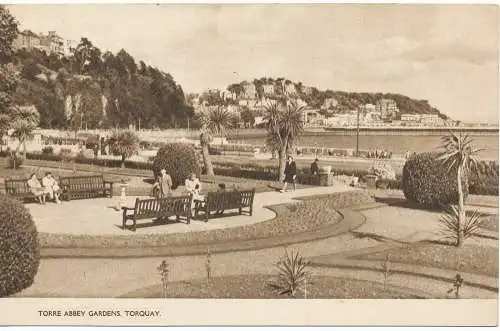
<point>36,189</point>
<point>222,188</point>
<point>191,182</point>
<point>52,187</point>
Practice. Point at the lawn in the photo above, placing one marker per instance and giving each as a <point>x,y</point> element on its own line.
<point>256,287</point>
<point>490,222</point>
<point>291,218</point>
<point>468,258</point>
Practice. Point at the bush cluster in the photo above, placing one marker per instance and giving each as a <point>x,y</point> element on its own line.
<point>428,183</point>
<point>48,150</point>
<point>179,160</point>
<point>484,181</point>
<point>19,247</point>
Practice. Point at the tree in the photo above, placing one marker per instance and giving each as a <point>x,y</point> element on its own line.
<point>124,144</point>
<point>284,124</point>
<point>25,121</point>
<point>248,117</point>
<point>459,155</point>
<point>87,57</point>
<point>8,78</point>
<point>215,122</point>
<point>8,33</point>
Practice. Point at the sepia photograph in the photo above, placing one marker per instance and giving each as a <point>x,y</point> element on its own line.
<point>298,154</point>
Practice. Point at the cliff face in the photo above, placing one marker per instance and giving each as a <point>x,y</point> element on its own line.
<point>111,90</point>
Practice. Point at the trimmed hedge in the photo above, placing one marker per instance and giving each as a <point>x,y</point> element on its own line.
<point>484,181</point>
<point>485,184</point>
<point>428,183</point>
<point>179,160</point>
<point>19,247</point>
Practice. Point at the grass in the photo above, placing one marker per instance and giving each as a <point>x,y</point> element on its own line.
<point>292,218</point>
<point>255,287</point>
<point>468,258</point>
<point>490,222</point>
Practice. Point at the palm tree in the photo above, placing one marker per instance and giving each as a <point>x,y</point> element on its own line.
<point>215,121</point>
<point>284,125</point>
<point>23,122</point>
<point>459,155</point>
<point>124,144</point>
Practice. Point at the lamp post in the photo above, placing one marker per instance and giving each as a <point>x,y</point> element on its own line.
<point>357,134</point>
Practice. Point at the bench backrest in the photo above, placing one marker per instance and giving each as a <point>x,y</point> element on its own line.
<point>83,182</point>
<point>247,197</point>
<point>223,200</point>
<point>17,186</point>
<point>152,207</point>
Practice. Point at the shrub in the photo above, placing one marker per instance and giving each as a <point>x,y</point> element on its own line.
<point>179,160</point>
<point>428,183</point>
<point>484,181</point>
<point>292,275</point>
<point>65,154</point>
<point>48,150</point>
<point>19,245</point>
<point>383,171</point>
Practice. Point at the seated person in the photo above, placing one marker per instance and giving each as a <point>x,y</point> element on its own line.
<point>196,193</point>
<point>50,184</point>
<point>191,182</point>
<point>36,189</point>
<point>222,188</point>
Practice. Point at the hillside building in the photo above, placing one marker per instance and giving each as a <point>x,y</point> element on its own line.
<point>387,108</point>
<point>268,89</point>
<point>330,103</point>
<point>51,43</point>
<point>250,92</point>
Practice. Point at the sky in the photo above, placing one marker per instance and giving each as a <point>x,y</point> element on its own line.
<point>446,54</point>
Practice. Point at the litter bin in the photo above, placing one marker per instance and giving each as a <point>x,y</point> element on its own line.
<point>325,176</point>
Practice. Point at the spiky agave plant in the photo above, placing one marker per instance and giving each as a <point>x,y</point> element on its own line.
<point>452,227</point>
<point>292,274</point>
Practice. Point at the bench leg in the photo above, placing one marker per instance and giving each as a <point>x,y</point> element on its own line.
<point>134,227</point>
<point>188,219</point>
<point>207,214</point>
<point>240,210</point>
<point>251,210</point>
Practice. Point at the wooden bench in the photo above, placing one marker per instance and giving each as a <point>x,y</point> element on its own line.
<point>221,201</point>
<point>85,187</point>
<point>19,189</point>
<point>158,209</point>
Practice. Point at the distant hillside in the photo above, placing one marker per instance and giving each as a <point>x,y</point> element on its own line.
<point>92,89</point>
<point>334,101</point>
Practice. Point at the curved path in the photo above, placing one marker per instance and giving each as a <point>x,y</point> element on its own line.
<point>102,216</point>
<point>386,226</point>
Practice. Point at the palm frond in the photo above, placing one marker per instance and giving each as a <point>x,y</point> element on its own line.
<point>291,273</point>
<point>452,226</point>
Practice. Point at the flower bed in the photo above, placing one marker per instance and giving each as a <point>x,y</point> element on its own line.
<point>255,287</point>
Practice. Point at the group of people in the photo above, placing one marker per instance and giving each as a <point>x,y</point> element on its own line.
<point>48,187</point>
<point>163,186</point>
